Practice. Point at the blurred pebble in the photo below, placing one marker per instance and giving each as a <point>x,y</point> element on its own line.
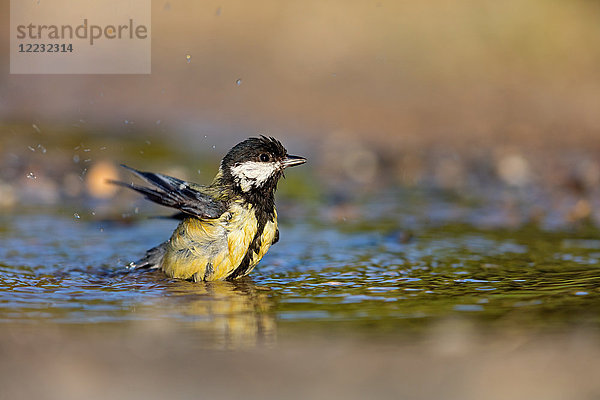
<point>96,180</point>
<point>513,169</point>
<point>590,172</point>
<point>575,184</point>
<point>7,195</point>
<point>581,210</point>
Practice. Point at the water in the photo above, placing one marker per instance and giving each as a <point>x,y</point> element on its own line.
<point>381,273</point>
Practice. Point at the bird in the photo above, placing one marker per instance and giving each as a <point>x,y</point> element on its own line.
<point>226,227</point>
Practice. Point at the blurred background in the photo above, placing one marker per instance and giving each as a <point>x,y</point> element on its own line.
<point>447,219</point>
<point>437,93</point>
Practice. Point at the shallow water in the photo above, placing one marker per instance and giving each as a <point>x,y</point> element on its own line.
<point>337,278</point>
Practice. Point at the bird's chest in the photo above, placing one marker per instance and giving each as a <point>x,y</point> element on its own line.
<point>267,237</point>
<point>216,249</point>
<point>250,237</point>
<point>242,227</point>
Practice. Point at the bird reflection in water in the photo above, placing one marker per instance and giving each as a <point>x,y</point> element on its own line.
<point>226,314</point>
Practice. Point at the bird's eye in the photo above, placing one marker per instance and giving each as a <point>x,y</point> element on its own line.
<point>264,157</point>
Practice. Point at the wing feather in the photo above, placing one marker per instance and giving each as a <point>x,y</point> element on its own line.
<point>176,193</point>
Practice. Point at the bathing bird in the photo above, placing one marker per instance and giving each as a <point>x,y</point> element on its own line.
<point>226,227</point>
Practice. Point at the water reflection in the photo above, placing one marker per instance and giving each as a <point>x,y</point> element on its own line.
<point>225,314</point>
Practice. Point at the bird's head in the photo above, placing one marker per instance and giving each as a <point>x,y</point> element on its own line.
<point>256,164</point>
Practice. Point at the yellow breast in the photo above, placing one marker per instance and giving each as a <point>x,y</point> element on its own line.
<point>213,249</point>
<point>267,238</point>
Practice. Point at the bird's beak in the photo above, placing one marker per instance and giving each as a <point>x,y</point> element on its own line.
<point>290,161</point>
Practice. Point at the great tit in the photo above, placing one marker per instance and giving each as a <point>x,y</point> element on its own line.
<point>226,227</point>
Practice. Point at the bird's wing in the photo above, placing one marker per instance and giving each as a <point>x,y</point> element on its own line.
<point>173,192</point>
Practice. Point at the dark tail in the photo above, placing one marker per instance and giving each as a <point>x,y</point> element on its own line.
<point>152,259</point>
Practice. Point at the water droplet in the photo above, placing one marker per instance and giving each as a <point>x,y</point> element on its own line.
<point>86,150</point>
<point>126,121</point>
<point>31,175</point>
<point>76,158</point>
<point>31,148</point>
<point>148,142</point>
<point>36,128</point>
<point>188,58</point>
<point>93,212</point>
<point>76,216</point>
<point>42,148</point>
<point>102,148</point>
<point>238,82</point>
<point>199,172</point>
<point>214,147</point>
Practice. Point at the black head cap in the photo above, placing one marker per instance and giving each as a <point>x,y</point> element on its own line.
<point>254,167</point>
<point>255,149</point>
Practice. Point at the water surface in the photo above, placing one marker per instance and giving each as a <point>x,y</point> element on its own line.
<point>385,274</point>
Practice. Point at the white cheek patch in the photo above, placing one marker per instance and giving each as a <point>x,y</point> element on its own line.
<point>253,174</point>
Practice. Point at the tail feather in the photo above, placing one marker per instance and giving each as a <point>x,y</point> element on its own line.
<point>152,259</point>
